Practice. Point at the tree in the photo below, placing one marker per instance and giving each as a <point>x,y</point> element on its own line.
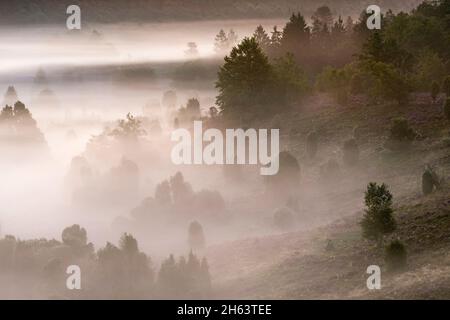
<point>232,39</point>
<point>323,15</point>
<point>221,44</point>
<point>261,38</point>
<point>430,180</point>
<point>196,237</point>
<point>11,96</point>
<point>245,81</point>
<point>128,244</point>
<point>378,219</point>
<point>181,190</point>
<point>276,37</point>
<point>338,28</point>
<point>163,193</point>
<point>434,90</point>
<point>128,128</point>
<point>74,236</point>
<point>193,107</point>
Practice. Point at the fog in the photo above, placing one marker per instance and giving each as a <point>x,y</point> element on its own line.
<point>86,171</point>
<point>84,98</point>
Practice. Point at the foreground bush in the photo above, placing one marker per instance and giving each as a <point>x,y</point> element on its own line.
<point>378,219</point>
<point>395,255</point>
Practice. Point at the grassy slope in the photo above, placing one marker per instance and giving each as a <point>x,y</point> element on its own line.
<point>296,265</point>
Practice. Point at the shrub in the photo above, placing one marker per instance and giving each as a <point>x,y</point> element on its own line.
<point>312,142</point>
<point>447,108</point>
<point>351,152</point>
<point>378,219</point>
<point>434,90</point>
<point>283,219</point>
<point>430,180</point>
<point>395,255</point>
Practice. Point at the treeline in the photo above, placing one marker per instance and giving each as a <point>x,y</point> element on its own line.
<point>37,268</point>
<point>271,71</point>
<point>95,11</point>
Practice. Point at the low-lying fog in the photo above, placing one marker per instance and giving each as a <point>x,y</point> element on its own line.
<point>75,84</point>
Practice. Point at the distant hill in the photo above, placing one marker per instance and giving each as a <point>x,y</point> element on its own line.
<point>110,11</point>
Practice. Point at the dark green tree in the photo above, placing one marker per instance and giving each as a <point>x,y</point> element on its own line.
<point>245,81</point>
<point>261,38</point>
<point>395,255</point>
<point>378,219</point>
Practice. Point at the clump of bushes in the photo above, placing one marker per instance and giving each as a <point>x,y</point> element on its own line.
<point>430,180</point>
<point>395,255</point>
<point>351,152</point>
<point>196,237</point>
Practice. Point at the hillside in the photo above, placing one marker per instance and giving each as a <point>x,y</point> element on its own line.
<point>296,265</point>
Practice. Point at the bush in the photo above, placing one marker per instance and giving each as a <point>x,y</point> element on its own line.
<point>74,236</point>
<point>447,108</point>
<point>283,219</point>
<point>312,142</point>
<point>446,86</point>
<point>430,180</point>
<point>351,152</point>
<point>378,219</point>
<point>395,255</point>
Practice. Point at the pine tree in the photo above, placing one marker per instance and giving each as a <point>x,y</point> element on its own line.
<point>296,33</point>
<point>261,37</point>
<point>378,219</point>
